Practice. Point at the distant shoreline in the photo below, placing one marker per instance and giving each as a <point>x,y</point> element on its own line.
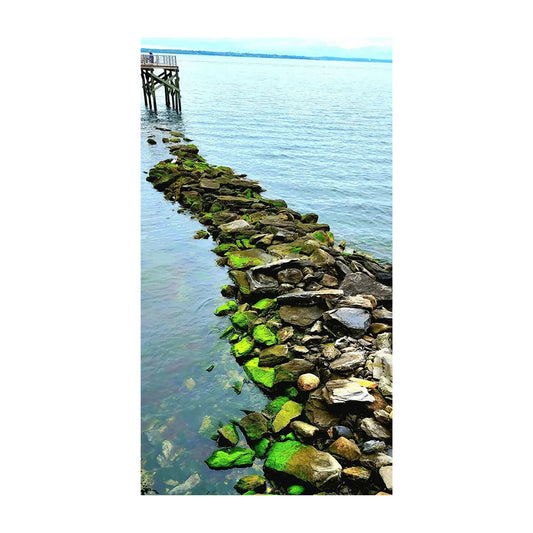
<point>272,56</point>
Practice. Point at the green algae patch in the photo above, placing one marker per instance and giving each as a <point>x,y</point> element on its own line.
<point>295,489</point>
<point>248,258</point>
<point>320,236</point>
<point>221,249</point>
<point>275,405</point>
<point>261,448</point>
<point>230,458</point>
<point>288,412</point>
<point>227,308</point>
<point>281,453</point>
<point>243,319</point>
<point>265,303</point>
<point>243,347</point>
<point>227,332</point>
<point>263,335</point>
<point>261,375</point>
<point>254,426</point>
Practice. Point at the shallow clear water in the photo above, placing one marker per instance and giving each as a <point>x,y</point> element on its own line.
<point>317,134</point>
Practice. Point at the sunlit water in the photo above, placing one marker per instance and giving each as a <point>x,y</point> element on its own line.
<point>317,134</point>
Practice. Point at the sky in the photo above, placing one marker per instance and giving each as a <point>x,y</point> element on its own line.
<point>340,46</point>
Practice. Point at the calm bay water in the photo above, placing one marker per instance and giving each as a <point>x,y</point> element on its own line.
<point>317,134</point>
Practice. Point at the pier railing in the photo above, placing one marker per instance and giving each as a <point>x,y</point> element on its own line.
<point>158,60</point>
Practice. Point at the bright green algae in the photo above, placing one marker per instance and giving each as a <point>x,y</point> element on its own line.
<point>243,319</point>
<point>281,453</point>
<point>243,347</point>
<point>231,458</point>
<point>288,412</point>
<point>261,375</point>
<point>226,308</point>
<point>263,335</point>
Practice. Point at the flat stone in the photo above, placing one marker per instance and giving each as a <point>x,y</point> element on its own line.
<point>375,460</point>
<point>382,315</point>
<point>286,414</point>
<point>386,475</point>
<point>317,412</point>
<point>374,429</point>
<point>373,446</point>
<point>275,355</point>
<point>262,284</point>
<point>300,316</point>
<point>306,298</point>
<point>357,473</point>
<point>337,391</point>
<point>227,435</point>
<point>364,301</point>
<point>360,283</point>
<point>253,482</point>
<point>355,321</point>
<point>348,362</point>
<point>377,328</point>
<point>236,226</point>
<point>383,341</point>
<point>291,371</point>
<point>382,364</point>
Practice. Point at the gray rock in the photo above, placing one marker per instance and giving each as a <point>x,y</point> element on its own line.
<point>337,391</point>
<point>373,446</point>
<point>374,429</point>
<point>300,316</point>
<point>375,460</point>
<point>186,486</point>
<point>383,341</point>
<point>348,362</point>
<point>291,371</point>
<point>330,352</point>
<point>305,298</point>
<point>290,275</point>
<point>316,411</point>
<point>261,284</point>
<point>236,226</point>
<point>360,283</point>
<point>356,321</point>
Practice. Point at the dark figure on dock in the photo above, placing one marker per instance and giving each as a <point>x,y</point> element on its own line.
<point>151,58</point>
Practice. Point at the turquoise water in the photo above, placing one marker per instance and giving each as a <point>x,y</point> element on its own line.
<point>315,133</point>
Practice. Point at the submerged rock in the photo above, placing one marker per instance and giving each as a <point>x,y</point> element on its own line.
<point>240,259</point>
<point>254,426</point>
<point>252,482</point>
<point>319,469</point>
<point>186,486</point>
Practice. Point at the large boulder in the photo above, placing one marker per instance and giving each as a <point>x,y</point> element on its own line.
<point>304,462</point>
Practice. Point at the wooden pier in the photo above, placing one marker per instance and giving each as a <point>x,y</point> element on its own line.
<point>167,77</point>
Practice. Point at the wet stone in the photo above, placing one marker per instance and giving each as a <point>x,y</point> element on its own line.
<point>348,362</point>
<point>374,429</point>
<point>300,316</point>
<point>372,446</point>
<point>355,321</point>
<point>346,449</point>
<point>290,275</point>
<point>275,355</point>
<point>285,334</point>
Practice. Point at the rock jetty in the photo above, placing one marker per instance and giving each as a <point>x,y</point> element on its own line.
<point>311,325</point>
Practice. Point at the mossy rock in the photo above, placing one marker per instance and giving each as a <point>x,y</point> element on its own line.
<point>230,458</point>
<point>254,426</point>
<point>164,181</point>
<point>273,408</point>
<point>287,413</point>
<point>222,249</point>
<point>265,303</point>
<point>248,258</point>
<point>227,308</point>
<point>261,447</point>
<point>243,348</point>
<point>240,279</point>
<point>243,319</point>
<point>263,335</point>
<point>289,436</point>
<point>228,435</point>
<point>261,375</point>
<point>253,482</point>
<point>227,332</point>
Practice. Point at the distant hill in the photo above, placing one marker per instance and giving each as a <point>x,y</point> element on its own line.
<point>274,56</point>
